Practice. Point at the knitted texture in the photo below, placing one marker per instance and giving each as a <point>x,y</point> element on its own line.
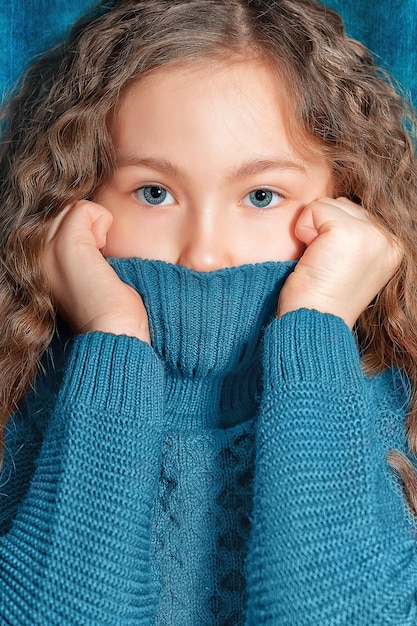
<point>234,472</point>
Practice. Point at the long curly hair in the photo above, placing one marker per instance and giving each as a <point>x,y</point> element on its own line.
<point>57,149</point>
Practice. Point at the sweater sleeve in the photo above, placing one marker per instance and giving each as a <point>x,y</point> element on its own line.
<point>332,540</point>
<point>77,551</point>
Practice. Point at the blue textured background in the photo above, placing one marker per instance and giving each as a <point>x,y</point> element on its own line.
<point>387,27</point>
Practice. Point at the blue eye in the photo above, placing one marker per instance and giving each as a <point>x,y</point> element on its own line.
<point>154,195</point>
<point>262,198</point>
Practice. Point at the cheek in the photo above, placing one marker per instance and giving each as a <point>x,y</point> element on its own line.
<point>276,246</point>
<point>133,234</point>
<point>297,250</point>
<point>272,238</point>
<point>121,241</point>
<point>125,237</point>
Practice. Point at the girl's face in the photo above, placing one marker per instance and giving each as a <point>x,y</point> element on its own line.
<point>206,176</point>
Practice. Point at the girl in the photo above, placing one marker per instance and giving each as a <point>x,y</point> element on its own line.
<point>206,440</point>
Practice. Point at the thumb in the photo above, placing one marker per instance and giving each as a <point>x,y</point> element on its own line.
<point>306,229</point>
<point>101,223</point>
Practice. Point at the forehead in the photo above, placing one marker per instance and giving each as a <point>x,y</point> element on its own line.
<point>208,78</point>
<point>216,103</point>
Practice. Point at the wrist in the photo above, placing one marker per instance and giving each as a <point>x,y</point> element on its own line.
<point>117,326</point>
<point>297,295</point>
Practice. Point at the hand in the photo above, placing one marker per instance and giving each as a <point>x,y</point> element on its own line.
<point>348,260</point>
<point>87,291</point>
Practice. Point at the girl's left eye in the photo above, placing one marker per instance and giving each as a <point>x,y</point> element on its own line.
<point>154,195</point>
<point>262,198</point>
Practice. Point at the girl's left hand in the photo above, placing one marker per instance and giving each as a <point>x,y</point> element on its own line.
<point>349,258</point>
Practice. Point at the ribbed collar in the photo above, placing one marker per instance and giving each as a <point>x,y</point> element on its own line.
<point>207,329</point>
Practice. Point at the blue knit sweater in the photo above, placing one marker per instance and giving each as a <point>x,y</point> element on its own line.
<point>233,473</point>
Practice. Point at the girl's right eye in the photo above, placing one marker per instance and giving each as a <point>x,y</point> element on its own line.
<point>154,195</point>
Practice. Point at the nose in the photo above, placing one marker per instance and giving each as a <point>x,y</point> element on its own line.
<point>207,242</point>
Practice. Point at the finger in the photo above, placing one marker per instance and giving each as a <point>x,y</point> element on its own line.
<point>355,210</point>
<point>57,223</point>
<point>347,206</point>
<point>316,218</point>
<point>84,217</point>
<point>325,213</point>
<point>100,227</point>
<point>305,227</point>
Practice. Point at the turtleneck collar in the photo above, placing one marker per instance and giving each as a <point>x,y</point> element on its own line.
<point>207,327</point>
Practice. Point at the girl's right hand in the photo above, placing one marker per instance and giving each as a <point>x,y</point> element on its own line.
<point>87,291</point>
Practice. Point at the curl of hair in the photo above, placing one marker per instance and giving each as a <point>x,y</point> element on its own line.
<point>57,149</point>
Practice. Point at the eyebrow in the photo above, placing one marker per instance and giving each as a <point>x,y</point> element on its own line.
<point>257,166</point>
<point>162,165</point>
<point>248,168</point>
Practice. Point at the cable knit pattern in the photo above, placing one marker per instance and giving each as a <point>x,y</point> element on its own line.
<point>233,473</point>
